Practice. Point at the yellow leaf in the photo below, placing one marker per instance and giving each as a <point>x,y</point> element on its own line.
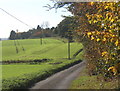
<point>91,3</point>
<point>104,39</point>
<point>113,35</point>
<point>116,43</point>
<point>112,20</point>
<point>89,33</point>
<point>98,39</point>
<point>97,32</point>
<point>110,31</point>
<point>113,69</point>
<point>111,40</point>
<point>106,62</point>
<point>90,22</point>
<point>106,7</point>
<point>92,38</point>
<point>105,28</point>
<point>104,53</point>
<point>94,21</point>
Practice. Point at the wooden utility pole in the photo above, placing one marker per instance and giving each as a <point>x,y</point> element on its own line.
<point>41,40</point>
<point>16,46</point>
<point>19,42</point>
<point>68,49</point>
<point>69,39</point>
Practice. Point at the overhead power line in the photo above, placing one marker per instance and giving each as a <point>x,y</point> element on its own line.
<point>15,18</point>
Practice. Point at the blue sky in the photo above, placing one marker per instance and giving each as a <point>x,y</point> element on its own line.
<point>31,12</point>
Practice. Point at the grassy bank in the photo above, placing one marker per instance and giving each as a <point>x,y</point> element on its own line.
<point>84,81</point>
<point>23,76</point>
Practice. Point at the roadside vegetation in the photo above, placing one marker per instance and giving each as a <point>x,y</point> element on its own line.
<point>85,81</point>
<point>97,28</point>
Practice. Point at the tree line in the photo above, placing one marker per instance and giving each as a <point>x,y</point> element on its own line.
<point>63,29</point>
<point>32,33</point>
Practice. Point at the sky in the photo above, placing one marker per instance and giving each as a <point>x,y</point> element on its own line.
<point>30,12</point>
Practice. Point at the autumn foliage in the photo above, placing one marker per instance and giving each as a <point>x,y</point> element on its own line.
<point>98,29</point>
<point>100,26</point>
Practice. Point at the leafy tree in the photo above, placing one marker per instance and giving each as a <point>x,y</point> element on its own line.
<point>99,27</point>
<point>65,27</point>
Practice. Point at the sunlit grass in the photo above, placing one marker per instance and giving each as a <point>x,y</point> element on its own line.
<point>22,74</point>
<point>84,81</point>
<point>51,49</point>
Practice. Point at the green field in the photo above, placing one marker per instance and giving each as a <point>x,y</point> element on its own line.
<point>21,75</point>
<point>50,49</point>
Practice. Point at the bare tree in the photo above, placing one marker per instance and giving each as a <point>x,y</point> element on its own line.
<point>43,26</point>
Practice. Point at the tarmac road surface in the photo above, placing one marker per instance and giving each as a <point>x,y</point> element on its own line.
<point>60,80</point>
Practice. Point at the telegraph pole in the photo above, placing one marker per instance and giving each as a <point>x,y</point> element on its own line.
<point>68,49</point>
<point>69,39</point>
<point>19,42</point>
<point>43,26</point>
<point>41,38</point>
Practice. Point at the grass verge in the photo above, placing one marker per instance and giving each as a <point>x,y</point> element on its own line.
<point>84,81</point>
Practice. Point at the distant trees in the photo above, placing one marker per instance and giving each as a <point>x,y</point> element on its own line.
<point>19,35</point>
<point>25,35</point>
<point>32,33</point>
<point>12,35</point>
<point>38,27</point>
<point>63,29</point>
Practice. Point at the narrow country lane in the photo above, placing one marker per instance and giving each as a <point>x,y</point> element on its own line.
<point>60,80</point>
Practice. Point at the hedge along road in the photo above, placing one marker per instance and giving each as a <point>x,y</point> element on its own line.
<point>60,80</point>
